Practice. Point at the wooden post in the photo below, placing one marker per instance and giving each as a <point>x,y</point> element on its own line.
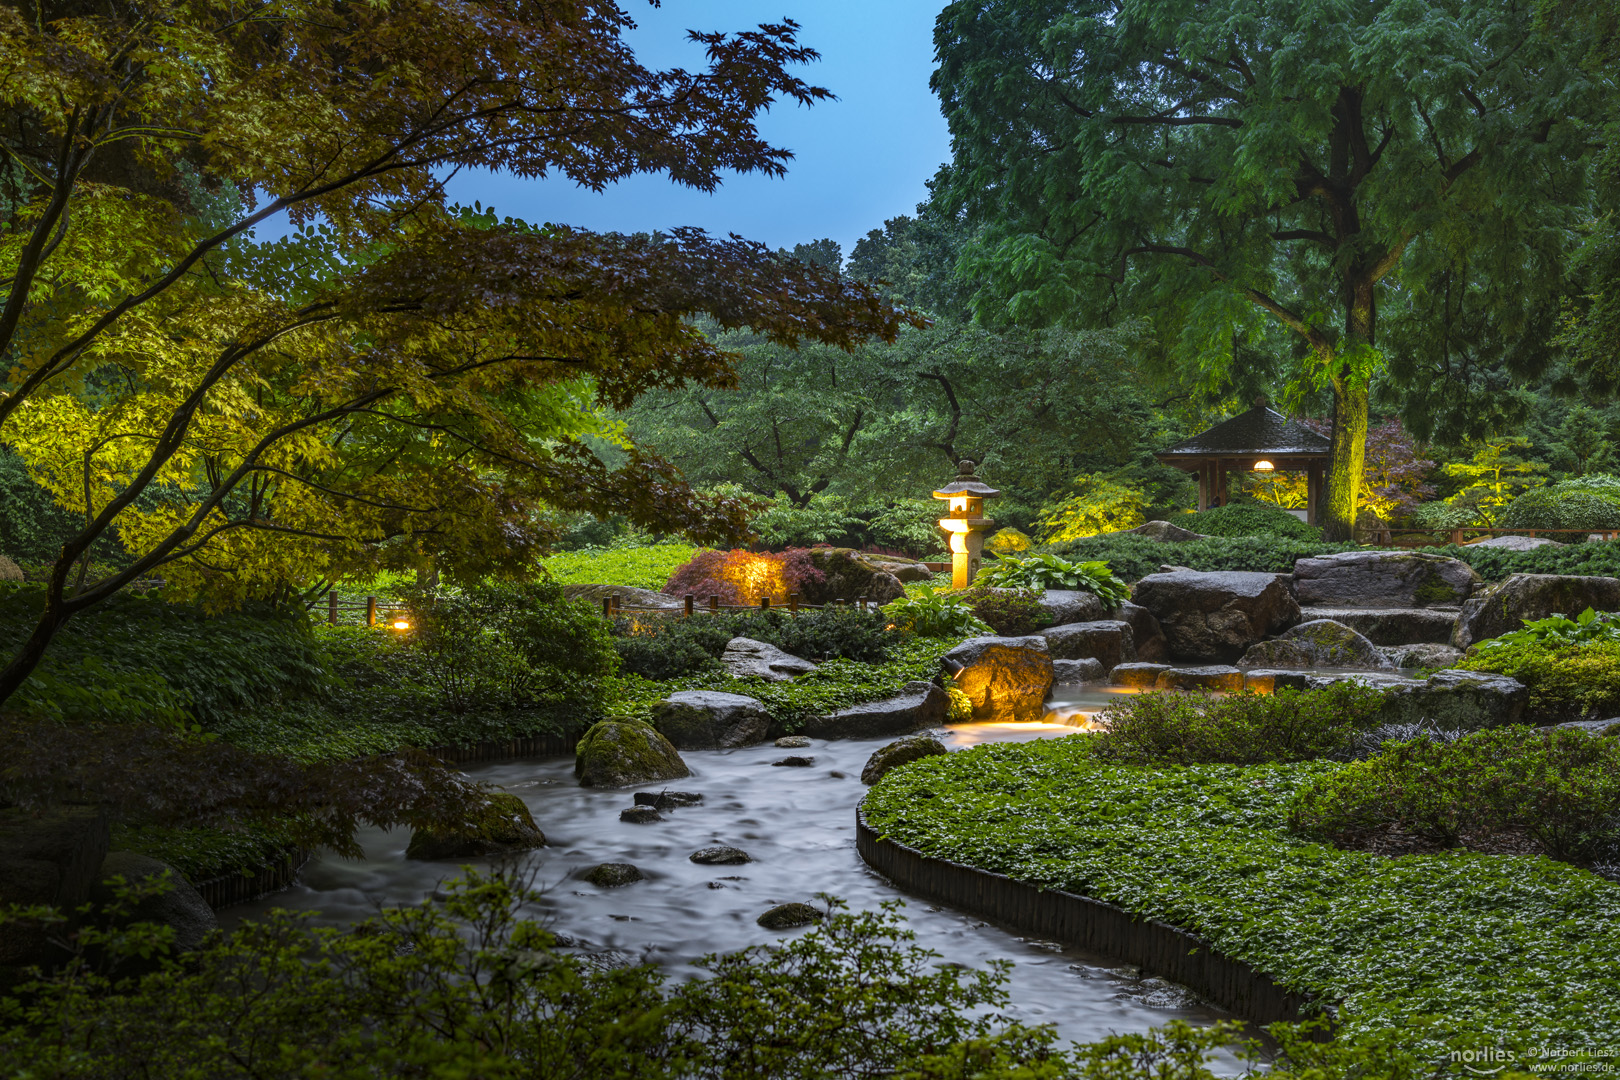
<point>764,603</point>
<point>614,600</point>
<point>607,607</point>
<point>371,611</point>
<point>1456,537</point>
<point>1313,491</point>
<point>793,602</point>
<point>686,604</point>
<point>331,607</point>
<point>714,604</point>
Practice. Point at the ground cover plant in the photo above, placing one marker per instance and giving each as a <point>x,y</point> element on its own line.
<point>1044,570</point>
<point>1240,729</point>
<point>937,613</point>
<point>1572,666</point>
<point>1560,789</point>
<point>1250,519</point>
<point>1455,950</point>
<point>1134,557</point>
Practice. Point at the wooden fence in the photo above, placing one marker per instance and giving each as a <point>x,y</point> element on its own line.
<point>1422,538</point>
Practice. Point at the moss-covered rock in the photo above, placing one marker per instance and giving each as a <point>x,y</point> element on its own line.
<point>847,575</point>
<point>611,875</point>
<point>899,753</point>
<point>787,916</point>
<point>503,825</point>
<point>617,753</point>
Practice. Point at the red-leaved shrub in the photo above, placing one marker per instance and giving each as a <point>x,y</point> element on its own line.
<point>740,577</point>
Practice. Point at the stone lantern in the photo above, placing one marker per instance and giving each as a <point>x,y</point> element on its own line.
<point>966,522</point>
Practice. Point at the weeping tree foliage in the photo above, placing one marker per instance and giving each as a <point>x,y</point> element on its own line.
<point>1266,172</point>
<point>400,380</point>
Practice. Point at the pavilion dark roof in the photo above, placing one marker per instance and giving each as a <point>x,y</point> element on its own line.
<point>1261,430</point>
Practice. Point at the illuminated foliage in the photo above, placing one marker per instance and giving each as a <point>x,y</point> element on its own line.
<point>745,577</point>
<point>1097,506</point>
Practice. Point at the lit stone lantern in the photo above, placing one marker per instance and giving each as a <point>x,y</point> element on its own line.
<point>966,523</point>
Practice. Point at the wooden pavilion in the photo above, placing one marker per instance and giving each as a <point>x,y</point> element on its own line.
<point>1260,440</point>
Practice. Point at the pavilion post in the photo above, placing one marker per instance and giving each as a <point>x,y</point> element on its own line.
<point>1313,491</point>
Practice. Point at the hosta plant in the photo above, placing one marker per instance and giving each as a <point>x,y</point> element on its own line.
<point>1048,571</point>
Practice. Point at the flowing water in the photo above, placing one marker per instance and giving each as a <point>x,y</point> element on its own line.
<point>798,824</point>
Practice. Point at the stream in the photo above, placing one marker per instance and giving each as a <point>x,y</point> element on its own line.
<point>798,824</point>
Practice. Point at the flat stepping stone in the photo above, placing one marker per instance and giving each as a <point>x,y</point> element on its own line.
<point>793,742</point>
<point>1270,680</point>
<point>659,800</point>
<point>1137,675</point>
<point>719,855</point>
<point>612,875</point>
<point>796,762</point>
<point>640,815</point>
<point>1220,677</point>
<point>788,916</point>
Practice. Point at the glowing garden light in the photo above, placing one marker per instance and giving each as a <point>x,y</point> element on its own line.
<point>966,522</point>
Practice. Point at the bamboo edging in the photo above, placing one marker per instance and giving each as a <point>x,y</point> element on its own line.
<point>1090,924</point>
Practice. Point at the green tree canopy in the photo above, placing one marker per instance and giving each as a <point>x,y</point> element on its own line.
<point>399,379</point>
<point>1240,171</point>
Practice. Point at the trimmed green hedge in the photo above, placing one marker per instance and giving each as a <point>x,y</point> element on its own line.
<point>1250,519</point>
<point>631,568</point>
<point>1457,951</point>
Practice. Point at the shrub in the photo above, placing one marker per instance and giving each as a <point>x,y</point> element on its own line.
<point>1567,679</point>
<point>935,613</point>
<point>667,648</point>
<point>1587,502</point>
<point>907,526</point>
<point>502,645</point>
<point>1048,571</point>
<point>1251,519</point>
<point>1009,612</point>
<point>1098,505</point>
<point>740,577</point>
<point>1243,729</point>
<point>1134,557</point>
<point>1562,787</point>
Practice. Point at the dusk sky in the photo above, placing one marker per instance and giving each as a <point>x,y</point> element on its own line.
<point>858,160</point>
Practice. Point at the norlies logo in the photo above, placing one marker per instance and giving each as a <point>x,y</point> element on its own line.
<point>1483,1062</point>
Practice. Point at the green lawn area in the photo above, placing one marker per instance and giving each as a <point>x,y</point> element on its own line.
<point>635,568</point>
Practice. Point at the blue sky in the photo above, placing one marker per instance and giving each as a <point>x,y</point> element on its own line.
<point>858,160</point>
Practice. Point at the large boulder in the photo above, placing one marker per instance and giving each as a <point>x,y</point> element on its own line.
<point>919,706</point>
<point>899,753</point>
<point>51,859</point>
<point>176,905</point>
<point>1531,596</point>
<point>1516,543</point>
<point>904,570</point>
<point>1108,640</point>
<point>849,575</point>
<point>1006,678</point>
<point>9,571</point>
<point>1465,700</point>
<point>502,826</point>
<point>1388,579</point>
<point>1146,633</point>
<point>1317,644</point>
<point>1073,605</point>
<point>1070,672</point>
<point>745,656</point>
<point>618,753</point>
<point>1215,617</point>
<point>628,597</point>
<point>1271,680</point>
<point>1393,626</point>
<point>710,720</point>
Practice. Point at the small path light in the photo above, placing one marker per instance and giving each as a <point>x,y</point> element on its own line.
<point>966,522</point>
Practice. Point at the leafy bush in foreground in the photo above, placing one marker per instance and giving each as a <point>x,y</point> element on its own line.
<point>1047,571</point>
<point>1243,729</point>
<point>1562,787</point>
<point>1571,675</point>
<point>1454,951</point>
<point>936,613</point>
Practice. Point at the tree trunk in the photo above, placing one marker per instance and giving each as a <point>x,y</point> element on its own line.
<point>33,650</point>
<point>1348,456</point>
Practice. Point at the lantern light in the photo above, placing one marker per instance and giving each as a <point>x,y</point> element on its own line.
<point>1263,466</point>
<point>966,522</point>
<point>401,624</point>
